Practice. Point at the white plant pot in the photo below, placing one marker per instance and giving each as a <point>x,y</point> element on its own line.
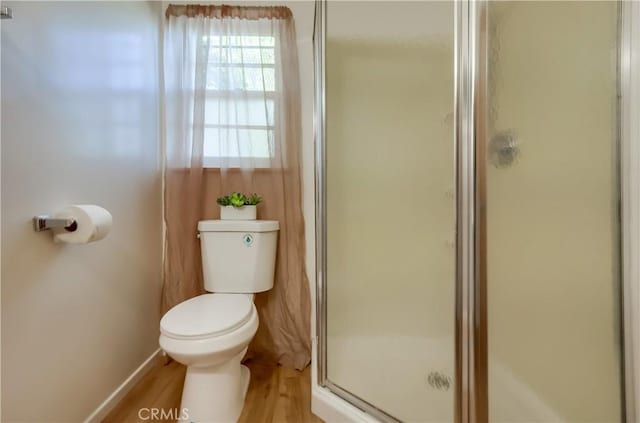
<point>238,213</point>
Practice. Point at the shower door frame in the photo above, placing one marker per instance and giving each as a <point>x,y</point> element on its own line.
<point>319,38</point>
<point>470,68</point>
<point>629,163</point>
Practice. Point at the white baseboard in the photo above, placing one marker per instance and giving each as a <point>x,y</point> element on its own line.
<point>103,409</point>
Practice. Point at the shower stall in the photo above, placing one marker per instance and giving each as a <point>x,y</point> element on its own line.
<point>477,211</point>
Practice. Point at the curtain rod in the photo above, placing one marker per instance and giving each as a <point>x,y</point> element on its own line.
<point>227,11</point>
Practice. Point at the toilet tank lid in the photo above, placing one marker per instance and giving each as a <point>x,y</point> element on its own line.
<point>238,225</point>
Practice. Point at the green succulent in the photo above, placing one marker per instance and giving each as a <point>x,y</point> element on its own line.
<point>237,199</point>
<point>253,200</point>
<point>224,201</point>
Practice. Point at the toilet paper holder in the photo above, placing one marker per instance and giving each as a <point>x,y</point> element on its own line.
<point>45,222</point>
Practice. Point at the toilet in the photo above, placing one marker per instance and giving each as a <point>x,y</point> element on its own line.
<point>210,333</point>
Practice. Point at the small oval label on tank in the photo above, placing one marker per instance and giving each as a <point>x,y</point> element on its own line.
<point>247,240</point>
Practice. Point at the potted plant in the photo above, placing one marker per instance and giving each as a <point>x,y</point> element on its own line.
<point>237,206</point>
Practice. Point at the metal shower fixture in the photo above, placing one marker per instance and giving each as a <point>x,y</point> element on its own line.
<point>6,12</point>
<point>503,149</point>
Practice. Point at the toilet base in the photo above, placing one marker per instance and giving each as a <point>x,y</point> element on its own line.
<point>216,393</point>
<point>245,374</point>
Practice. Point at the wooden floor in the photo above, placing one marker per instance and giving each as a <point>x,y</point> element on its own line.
<point>276,395</point>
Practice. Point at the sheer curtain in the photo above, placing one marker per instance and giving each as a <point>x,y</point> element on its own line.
<point>233,124</point>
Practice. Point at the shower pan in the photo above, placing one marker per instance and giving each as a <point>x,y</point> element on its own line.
<point>477,211</point>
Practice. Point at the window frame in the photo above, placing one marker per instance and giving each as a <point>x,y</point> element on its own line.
<point>217,162</point>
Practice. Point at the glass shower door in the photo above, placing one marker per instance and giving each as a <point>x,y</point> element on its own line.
<point>390,206</point>
<point>552,218</point>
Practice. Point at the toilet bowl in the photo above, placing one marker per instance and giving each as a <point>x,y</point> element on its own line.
<point>210,333</point>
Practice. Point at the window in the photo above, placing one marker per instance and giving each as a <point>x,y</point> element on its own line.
<point>239,109</point>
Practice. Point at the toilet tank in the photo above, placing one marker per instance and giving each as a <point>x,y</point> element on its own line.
<point>238,256</point>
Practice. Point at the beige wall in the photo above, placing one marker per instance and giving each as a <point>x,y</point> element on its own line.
<point>390,173</point>
<point>552,217</point>
<point>79,125</point>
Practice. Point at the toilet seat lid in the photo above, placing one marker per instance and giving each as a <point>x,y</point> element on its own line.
<point>206,316</point>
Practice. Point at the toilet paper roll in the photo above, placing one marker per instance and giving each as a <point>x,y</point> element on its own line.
<point>93,224</point>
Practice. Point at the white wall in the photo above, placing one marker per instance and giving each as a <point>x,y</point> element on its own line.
<point>79,125</point>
